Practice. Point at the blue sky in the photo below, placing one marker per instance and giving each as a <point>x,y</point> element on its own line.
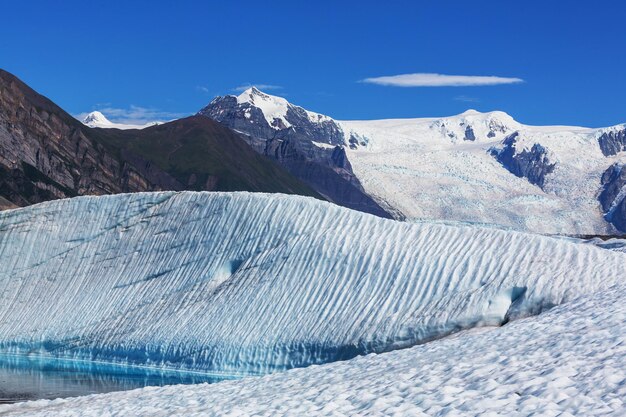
<point>161,59</point>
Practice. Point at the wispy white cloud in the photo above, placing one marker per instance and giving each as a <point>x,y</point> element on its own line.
<point>134,115</point>
<point>439,80</point>
<point>467,99</point>
<point>266,87</point>
<point>202,89</point>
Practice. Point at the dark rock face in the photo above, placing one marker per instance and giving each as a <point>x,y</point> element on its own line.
<point>356,140</point>
<point>322,128</point>
<point>618,217</point>
<point>324,166</point>
<point>469,134</point>
<point>613,196</point>
<point>46,154</point>
<point>612,143</point>
<point>533,165</point>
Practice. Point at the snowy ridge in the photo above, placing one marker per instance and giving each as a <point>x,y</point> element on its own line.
<point>275,108</point>
<point>97,119</point>
<point>453,168</point>
<point>445,169</point>
<point>244,283</point>
<point>271,106</point>
<point>566,362</point>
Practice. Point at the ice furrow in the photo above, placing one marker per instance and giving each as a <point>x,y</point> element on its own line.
<point>245,283</point>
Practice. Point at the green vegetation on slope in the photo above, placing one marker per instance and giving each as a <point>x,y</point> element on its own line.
<point>203,155</point>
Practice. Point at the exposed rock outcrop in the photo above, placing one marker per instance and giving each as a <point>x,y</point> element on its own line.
<point>309,145</point>
<point>613,195</point>
<point>533,164</point>
<point>46,154</point>
<point>613,142</point>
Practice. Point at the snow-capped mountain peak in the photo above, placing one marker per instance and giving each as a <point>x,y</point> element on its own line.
<point>474,125</point>
<point>274,108</point>
<point>96,119</point>
<point>259,108</point>
<point>249,94</point>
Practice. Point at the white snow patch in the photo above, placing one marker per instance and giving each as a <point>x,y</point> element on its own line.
<point>272,107</point>
<point>275,108</point>
<point>323,145</point>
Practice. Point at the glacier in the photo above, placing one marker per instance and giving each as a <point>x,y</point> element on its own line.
<point>566,362</point>
<point>248,284</point>
<point>428,168</point>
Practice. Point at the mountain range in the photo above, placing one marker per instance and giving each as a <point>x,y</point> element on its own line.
<point>446,312</point>
<point>484,168</point>
<point>481,168</point>
<point>47,154</point>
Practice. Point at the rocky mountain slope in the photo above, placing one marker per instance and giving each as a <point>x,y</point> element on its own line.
<point>47,154</point>
<point>201,155</point>
<point>290,135</point>
<point>474,167</point>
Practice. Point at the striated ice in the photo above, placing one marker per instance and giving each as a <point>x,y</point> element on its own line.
<point>566,362</point>
<point>242,283</point>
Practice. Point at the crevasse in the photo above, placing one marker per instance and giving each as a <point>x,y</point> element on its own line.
<point>244,283</point>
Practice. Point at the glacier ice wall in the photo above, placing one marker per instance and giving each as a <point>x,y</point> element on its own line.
<point>243,283</point>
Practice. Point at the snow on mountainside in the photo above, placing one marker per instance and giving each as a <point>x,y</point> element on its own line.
<point>243,283</point>
<point>97,119</point>
<point>566,362</point>
<point>307,144</point>
<point>275,109</point>
<point>475,167</point>
<point>486,168</point>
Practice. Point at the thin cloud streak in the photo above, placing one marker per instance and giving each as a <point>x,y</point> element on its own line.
<point>439,80</point>
<point>244,87</point>
<point>467,99</point>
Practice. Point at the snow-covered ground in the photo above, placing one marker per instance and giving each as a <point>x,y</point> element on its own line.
<point>569,361</point>
<point>241,283</point>
<point>430,169</point>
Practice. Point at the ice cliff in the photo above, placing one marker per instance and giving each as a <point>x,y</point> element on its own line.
<point>243,283</point>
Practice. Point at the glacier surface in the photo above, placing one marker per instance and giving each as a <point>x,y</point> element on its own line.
<point>566,362</point>
<point>240,283</point>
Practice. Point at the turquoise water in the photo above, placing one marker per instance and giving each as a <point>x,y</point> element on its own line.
<point>25,378</point>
